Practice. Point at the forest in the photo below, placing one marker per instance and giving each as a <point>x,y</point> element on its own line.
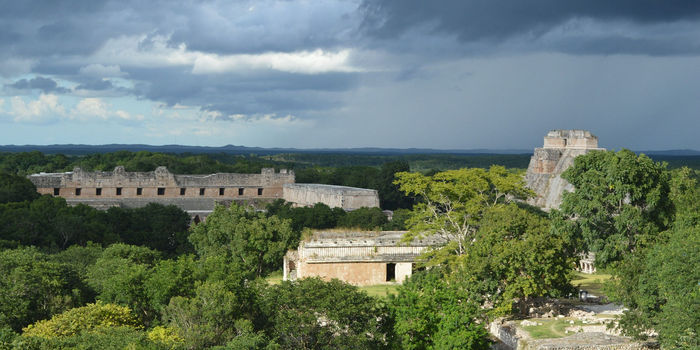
<point>81,278</point>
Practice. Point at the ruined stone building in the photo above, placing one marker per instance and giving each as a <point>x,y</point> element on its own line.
<point>548,162</point>
<point>348,198</point>
<point>195,194</point>
<point>357,257</point>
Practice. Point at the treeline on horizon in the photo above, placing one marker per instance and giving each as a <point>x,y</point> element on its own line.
<point>25,163</point>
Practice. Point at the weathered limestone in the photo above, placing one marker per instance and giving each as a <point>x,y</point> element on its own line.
<point>161,183</point>
<point>359,258</point>
<point>547,163</point>
<point>348,198</point>
<point>196,194</point>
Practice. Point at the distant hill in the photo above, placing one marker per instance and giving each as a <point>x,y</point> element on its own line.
<point>76,150</point>
<point>71,149</point>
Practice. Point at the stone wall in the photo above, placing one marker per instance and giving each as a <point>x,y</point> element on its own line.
<point>359,274</point>
<point>348,198</point>
<point>119,184</point>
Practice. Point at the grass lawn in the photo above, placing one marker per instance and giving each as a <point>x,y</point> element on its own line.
<point>274,277</point>
<point>380,290</point>
<point>550,328</point>
<point>593,283</point>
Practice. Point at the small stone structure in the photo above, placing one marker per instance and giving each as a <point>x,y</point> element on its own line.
<point>348,198</point>
<point>548,162</point>
<point>356,257</point>
<point>587,263</point>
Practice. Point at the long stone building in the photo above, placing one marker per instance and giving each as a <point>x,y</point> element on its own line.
<point>357,257</point>
<point>548,162</point>
<point>348,198</point>
<point>196,194</point>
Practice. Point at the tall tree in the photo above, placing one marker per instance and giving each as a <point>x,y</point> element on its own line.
<point>250,242</point>
<point>621,203</point>
<point>33,288</point>
<point>433,312</point>
<point>16,189</point>
<point>451,203</point>
<point>313,314</point>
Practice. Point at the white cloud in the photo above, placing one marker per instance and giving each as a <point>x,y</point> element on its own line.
<point>91,108</point>
<point>88,108</point>
<point>154,51</point>
<point>44,109</point>
<point>101,71</point>
<point>306,62</point>
<point>47,108</point>
<point>143,51</point>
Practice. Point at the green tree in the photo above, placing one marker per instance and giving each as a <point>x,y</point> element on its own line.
<point>83,319</point>
<point>102,338</point>
<point>398,221</point>
<point>433,312</point>
<point>170,278</point>
<point>364,218</point>
<point>320,216</point>
<point>156,226</point>
<point>451,203</point>
<point>685,196</point>
<point>32,287</point>
<point>211,317</point>
<point>516,258</point>
<point>621,203</point>
<point>119,276</point>
<point>390,196</point>
<point>660,288</point>
<point>16,189</point>
<point>252,243</point>
<point>313,314</point>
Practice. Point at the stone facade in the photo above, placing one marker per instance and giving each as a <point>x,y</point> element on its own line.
<point>196,194</point>
<point>547,163</point>
<point>359,258</point>
<point>348,198</point>
<point>119,184</point>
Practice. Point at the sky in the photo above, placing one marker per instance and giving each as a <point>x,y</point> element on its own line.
<point>460,74</point>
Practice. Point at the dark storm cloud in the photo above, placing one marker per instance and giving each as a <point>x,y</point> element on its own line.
<point>272,92</point>
<point>474,21</point>
<point>95,85</point>
<point>46,85</point>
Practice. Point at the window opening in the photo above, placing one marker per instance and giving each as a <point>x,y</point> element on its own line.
<point>182,191</point>
<point>98,191</point>
<point>56,191</point>
<point>240,191</point>
<point>260,191</point>
<point>119,191</point>
<point>201,191</point>
<point>161,191</point>
<point>77,191</point>
<point>221,191</point>
<point>139,191</point>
